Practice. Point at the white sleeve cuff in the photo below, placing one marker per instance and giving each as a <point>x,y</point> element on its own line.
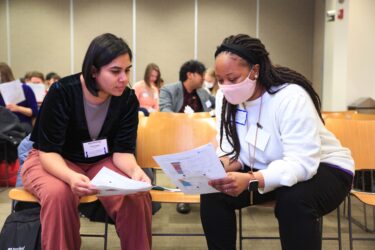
<point>271,180</point>
<point>276,175</point>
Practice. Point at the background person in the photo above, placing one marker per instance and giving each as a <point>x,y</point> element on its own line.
<point>51,77</point>
<point>147,90</point>
<point>210,81</point>
<point>187,95</point>
<point>34,77</point>
<point>274,146</point>
<point>26,110</point>
<point>59,167</point>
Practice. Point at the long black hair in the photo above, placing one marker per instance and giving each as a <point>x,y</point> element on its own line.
<point>254,52</point>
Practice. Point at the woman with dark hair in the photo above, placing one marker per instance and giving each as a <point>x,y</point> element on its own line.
<point>147,90</point>
<point>88,121</point>
<point>273,146</point>
<point>51,77</point>
<point>26,110</point>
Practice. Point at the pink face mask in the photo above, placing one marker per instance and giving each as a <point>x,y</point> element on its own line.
<point>238,92</point>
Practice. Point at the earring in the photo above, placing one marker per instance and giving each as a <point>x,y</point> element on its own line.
<point>256,77</point>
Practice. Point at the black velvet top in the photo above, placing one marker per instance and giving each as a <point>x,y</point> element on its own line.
<point>61,126</point>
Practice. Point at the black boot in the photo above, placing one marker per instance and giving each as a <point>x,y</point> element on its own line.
<point>155,207</point>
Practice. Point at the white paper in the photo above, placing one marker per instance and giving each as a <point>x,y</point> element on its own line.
<point>39,90</point>
<point>191,170</point>
<point>12,92</point>
<point>109,183</point>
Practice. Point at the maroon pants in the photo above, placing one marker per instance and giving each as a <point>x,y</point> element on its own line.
<point>59,216</point>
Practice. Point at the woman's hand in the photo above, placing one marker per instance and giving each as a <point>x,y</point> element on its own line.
<point>140,175</point>
<point>80,185</point>
<point>20,109</point>
<point>126,163</point>
<point>12,107</point>
<point>233,184</point>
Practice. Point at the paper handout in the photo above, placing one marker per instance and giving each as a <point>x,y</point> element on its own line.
<point>12,92</point>
<point>39,90</point>
<point>109,183</point>
<point>191,170</point>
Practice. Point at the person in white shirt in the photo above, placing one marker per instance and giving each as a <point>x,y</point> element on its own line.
<point>273,146</point>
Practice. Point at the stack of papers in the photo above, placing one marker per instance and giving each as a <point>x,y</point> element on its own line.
<point>108,182</point>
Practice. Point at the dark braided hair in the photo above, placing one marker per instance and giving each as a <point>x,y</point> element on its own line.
<point>269,76</point>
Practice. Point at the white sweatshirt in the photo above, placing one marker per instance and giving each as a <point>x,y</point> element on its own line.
<point>291,142</point>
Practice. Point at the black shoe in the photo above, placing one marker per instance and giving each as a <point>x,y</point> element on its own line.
<point>183,208</point>
<point>155,207</point>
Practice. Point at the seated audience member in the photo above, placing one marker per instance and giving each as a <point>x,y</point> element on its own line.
<point>187,96</point>
<point>273,146</point>
<point>161,84</point>
<point>210,81</point>
<point>25,110</point>
<point>62,162</point>
<point>51,78</point>
<point>35,80</point>
<point>147,91</point>
<point>34,77</point>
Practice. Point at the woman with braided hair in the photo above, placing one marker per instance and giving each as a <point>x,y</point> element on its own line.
<point>273,146</point>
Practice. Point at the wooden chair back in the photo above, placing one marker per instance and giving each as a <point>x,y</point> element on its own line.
<point>339,114</point>
<point>176,115</point>
<point>360,116</point>
<point>357,135</point>
<point>167,134</point>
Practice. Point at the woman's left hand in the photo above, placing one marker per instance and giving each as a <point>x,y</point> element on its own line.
<point>140,175</point>
<point>233,184</point>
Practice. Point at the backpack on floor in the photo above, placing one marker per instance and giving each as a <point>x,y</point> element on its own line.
<point>21,230</point>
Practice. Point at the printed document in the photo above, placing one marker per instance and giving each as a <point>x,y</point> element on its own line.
<point>12,92</point>
<point>191,170</point>
<point>39,90</point>
<point>108,182</point>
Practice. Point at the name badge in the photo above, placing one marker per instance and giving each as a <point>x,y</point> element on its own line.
<point>241,117</point>
<point>95,148</point>
<point>208,104</point>
<point>262,137</point>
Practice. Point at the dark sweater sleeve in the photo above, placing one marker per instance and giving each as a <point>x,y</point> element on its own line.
<point>30,100</point>
<point>126,136</point>
<point>50,129</point>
